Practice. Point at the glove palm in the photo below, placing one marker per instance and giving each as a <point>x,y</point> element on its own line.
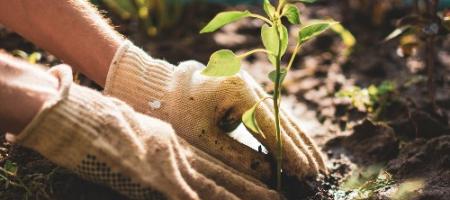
<point>203,110</point>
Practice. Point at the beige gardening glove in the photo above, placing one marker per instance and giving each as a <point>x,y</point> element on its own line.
<point>106,141</point>
<point>203,110</point>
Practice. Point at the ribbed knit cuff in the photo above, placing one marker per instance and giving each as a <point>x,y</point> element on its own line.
<point>87,133</point>
<point>137,78</point>
<point>55,130</point>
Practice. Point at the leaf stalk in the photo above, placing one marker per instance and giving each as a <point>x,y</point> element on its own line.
<point>294,54</point>
<point>254,51</point>
<point>261,18</point>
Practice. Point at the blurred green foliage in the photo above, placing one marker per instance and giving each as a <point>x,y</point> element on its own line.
<point>155,15</point>
<point>371,99</point>
<point>10,167</point>
<point>32,58</point>
<point>363,183</point>
<point>407,190</point>
<point>347,38</point>
<point>152,14</point>
<point>9,178</point>
<point>372,181</point>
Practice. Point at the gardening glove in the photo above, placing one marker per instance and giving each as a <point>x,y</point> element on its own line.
<point>204,109</point>
<point>106,141</point>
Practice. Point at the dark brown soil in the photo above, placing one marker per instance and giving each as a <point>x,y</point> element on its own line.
<point>409,139</point>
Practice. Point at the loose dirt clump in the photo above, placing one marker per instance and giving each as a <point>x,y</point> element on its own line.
<point>428,161</point>
<point>370,143</point>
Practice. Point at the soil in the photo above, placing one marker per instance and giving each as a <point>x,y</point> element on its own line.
<point>409,139</point>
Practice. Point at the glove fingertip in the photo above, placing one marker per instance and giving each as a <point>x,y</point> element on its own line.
<point>191,64</point>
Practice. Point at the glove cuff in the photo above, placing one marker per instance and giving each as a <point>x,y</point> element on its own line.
<point>137,78</point>
<point>55,130</point>
<point>53,124</point>
<point>87,133</point>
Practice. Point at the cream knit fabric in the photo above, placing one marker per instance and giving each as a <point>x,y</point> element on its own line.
<point>203,110</point>
<point>104,140</point>
<point>161,90</point>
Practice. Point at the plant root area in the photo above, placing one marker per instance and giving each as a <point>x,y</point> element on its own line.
<point>400,151</point>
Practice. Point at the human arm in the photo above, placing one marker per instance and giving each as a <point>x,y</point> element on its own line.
<point>23,91</point>
<point>72,30</point>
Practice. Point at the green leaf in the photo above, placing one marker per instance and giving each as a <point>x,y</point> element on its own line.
<point>34,57</point>
<point>10,167</point>
<point>284,39</point>
<point>222,63</point>
<point>269,9</point>
<point>397,32</point>
<point>291,12</point>
<point>314,29</point>
<point>273,75</point>
<point>223,19</point>
<point>386,87</point>
<point>249,121</point>
<point>347,38</point>
<point>20,53</point>
<point>271,40</point>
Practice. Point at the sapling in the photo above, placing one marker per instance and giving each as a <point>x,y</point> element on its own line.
<point>274,37</point>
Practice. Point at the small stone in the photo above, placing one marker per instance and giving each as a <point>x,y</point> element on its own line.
<point>154,105</point>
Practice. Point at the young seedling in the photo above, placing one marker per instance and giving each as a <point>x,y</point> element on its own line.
<point>274,37</point>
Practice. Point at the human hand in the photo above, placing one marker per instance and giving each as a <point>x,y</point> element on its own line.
<point>203,110</point>
<point>105,141</point>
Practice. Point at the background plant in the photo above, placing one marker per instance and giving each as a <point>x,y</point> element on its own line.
<point>373,99</point>
<point>365,182</point>
<point>152,14</point>
<point>274,36</point>
<point>422,28</point>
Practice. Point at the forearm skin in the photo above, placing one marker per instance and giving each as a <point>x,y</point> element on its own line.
<point>24,88</point>
<point>72,30</point>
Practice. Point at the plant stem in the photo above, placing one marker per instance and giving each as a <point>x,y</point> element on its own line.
<point>430,53</point>
<point>276,101</point>
<point>291,61</point>
<point>261,18</point>
<point>280,5</point>
<point>254,51</point>
<point>276,104</point>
